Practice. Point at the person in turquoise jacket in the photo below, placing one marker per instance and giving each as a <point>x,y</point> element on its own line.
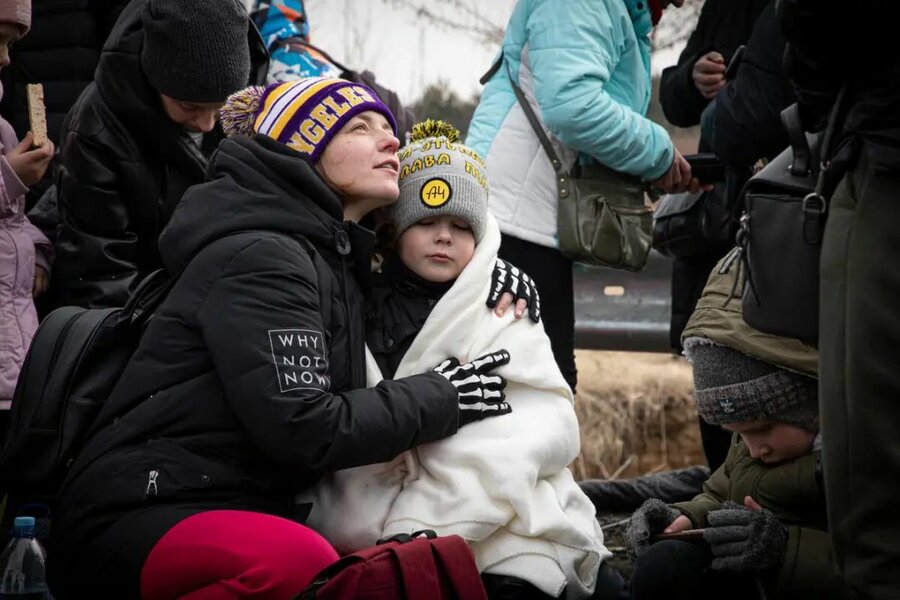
<point>584,66</point>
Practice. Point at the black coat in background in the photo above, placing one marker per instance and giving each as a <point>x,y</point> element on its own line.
<point>832,44</point>
<point>231,400</point>
<point>124,167</point>
<point>723,26</point>
<point>60,52</point>
<point>746,116</point>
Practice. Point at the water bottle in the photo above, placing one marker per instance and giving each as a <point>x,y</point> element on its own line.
<point>22,565</point>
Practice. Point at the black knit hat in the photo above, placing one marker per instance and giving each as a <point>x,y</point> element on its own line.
<point>196,50</point>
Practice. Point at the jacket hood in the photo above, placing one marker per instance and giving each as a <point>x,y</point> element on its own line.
<point>122,83</point>
<point>256,184</point>
<point>719,319</point>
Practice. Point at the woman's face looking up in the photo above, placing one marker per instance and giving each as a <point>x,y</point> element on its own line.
<point>360,162</point>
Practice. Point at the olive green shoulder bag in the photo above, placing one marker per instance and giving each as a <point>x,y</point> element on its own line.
<point>602,217</point>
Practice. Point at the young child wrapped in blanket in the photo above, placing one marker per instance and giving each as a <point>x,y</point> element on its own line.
<point>502,484</point>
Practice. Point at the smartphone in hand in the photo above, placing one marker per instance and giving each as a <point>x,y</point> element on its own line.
<point>688,535</point>
<point>706,167</point>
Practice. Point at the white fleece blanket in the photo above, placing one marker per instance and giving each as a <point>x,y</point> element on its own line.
<point>502,483</point>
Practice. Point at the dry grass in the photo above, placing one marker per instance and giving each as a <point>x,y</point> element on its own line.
<point>637,414</point>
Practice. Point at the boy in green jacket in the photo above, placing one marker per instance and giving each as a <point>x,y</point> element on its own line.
<point>763,511</point>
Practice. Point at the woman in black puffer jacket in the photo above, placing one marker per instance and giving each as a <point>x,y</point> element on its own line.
<point>248,384</point>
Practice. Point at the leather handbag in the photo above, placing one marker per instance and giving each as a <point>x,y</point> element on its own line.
<point>781,230</point>
<point>693,224</point>
<point>602,218</point>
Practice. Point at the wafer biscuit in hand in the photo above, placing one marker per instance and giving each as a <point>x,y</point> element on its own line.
<point>37,114</point>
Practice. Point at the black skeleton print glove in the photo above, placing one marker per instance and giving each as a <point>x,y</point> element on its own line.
<point>481,393</point>
<point>509,278</point>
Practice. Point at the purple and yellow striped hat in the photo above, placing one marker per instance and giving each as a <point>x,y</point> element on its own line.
<point>303,115</point>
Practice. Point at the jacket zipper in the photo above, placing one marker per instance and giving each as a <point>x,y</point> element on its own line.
<point>342,243</point>
<point>152,489</point>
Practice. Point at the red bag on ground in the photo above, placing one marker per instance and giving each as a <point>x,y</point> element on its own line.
<point>413,567</point>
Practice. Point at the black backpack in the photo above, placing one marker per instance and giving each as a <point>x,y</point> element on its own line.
<point>76,357</point>
<point>75,360</point>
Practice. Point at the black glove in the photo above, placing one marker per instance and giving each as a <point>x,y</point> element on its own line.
<point>745,540</point>
<point>651,518</point>
<point>508,278</point>
<point>480,393</point>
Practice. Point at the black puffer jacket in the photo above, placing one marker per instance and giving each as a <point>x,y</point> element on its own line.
<point>61,52</point>
<point>124,167</point>
<point>397,309</point>
<point>747,112</point>
<point>249,381</point>
<point>723,26</point>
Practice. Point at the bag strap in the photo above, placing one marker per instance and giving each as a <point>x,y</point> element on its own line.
<point>493,70</point>
<point>561,174</point>
<point>350,578</point>
<point>456,558</point>
<point>803,161</point>
<point>418,568</point>
<point>534,122</point>
<point>815,205</point>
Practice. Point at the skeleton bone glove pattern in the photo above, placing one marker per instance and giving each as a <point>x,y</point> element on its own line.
<point>509,278</point>
<point>480,392</point>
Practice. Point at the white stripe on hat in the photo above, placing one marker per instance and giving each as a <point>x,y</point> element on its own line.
<point>285,101</point>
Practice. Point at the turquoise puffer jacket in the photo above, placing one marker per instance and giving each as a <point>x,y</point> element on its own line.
<point>585,64</point>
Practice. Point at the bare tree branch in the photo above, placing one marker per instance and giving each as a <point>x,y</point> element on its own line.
<point>676,25</point>
<point>456,15</point>
<point>469,18</point>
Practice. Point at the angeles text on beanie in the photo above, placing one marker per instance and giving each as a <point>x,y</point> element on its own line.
<point>196,50</point>
<point>303,115</point>
<point>440,176</point>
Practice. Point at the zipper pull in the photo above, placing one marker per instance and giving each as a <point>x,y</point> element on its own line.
<point>734,255</point>
<point>151,484</point>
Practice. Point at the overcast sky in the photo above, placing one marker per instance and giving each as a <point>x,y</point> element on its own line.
<point>409,53</point>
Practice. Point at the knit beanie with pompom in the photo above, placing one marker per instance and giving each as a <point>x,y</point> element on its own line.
<point>440,176</point>
<point>303,115</point>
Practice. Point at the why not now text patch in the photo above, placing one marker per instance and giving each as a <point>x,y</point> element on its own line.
<point>300,359</point>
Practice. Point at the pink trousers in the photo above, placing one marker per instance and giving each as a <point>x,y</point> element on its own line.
<point>232,554</point>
